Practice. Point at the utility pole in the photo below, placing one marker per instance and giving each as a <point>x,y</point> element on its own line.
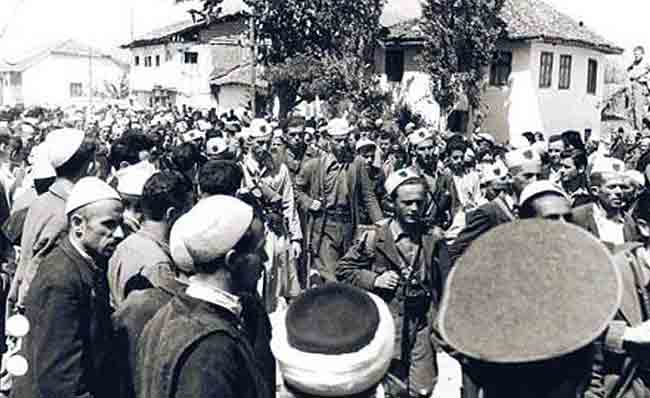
<point>253,39</point>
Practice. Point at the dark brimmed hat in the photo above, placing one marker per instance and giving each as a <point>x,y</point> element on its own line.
<point>336,340</point>
<point>529,291</point>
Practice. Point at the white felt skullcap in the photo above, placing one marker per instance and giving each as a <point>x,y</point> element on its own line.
<point>260,129</point>
<point>89,190</point>
<point>193,135</point>
<point>536,188</point>
<point>338,127</point>
<point>209,231</point>
<point>131,179</point>
<point>364,142</point>
<point>606,165</point>
<point>204,125</point>
<point>419,136</point>
<point>42,167</point>
<point>493,172</point>
<point>216,146</point>
<point>63,144</point>
<point>399,177</point>
<point>524,159</point>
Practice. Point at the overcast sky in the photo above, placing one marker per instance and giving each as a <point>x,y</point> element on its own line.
<point>107,23</point>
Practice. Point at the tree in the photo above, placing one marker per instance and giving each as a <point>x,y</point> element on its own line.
<point>460,42</point>
<point>309,39</point>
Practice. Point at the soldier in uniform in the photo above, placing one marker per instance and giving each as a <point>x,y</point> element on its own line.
<point>524,306</point>
<point>405,263</point>
<point>639,73</point>
<point>332,188</point>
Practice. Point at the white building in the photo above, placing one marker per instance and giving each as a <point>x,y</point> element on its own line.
<point>60,74</point>
<point>194,63</point>
<point>547,76</point>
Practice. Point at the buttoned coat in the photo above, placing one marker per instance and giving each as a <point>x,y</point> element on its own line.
<point>69,345</point>
<point>309,185</point>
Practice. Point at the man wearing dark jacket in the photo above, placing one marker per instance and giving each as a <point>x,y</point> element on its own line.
<point>201,343</point>
<point>69,346</point>
<point>405,263</point>
<point>332,189</point>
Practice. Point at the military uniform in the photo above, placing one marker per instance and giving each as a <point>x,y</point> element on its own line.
<point>423,266</point>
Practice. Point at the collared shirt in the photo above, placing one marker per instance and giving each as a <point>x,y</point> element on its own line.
<point>405,245</point>
<point>81,252</point>
<point>468,188</point>
<point>610,230</point>
<point>336,190</point>
<point>202,291</point>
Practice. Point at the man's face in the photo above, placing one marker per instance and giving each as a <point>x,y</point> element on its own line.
<point>555,149</point>
<point>426,153</point>
<point>551,206</point>
<point>568,170</point>
<point>384,145</point>
<point>368,155</point>
<point>410,203</point>
<point>638,55</point>
<point>457,161</point>
<point>611,193</point>
<point>521,179</point>
<point>261,147</point>
<point>277,145</point>
<point>295,137</point>
<point>99,227</point>
<point>339,145</point>
<point>248,266</point>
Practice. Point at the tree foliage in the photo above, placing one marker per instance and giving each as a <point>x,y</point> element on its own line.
<point>317,47</point>
<point>460,42</point>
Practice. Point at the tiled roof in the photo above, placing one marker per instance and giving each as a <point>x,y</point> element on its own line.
<point>527,20</point>
<point>240,74</point>
<point>229,9</point>
<point>67,47</point>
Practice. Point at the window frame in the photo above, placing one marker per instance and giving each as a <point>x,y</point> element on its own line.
<point>565,71</point>
<point>546,69</point>
<point>592,76</point>
<point>76,89</point>
<point>136,60</point>
<point>147,61</point>
<point>157,60</point>
<point>498,79</point>
<point>190,57</point>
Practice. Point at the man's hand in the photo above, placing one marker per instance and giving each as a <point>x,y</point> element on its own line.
<point>315,206</point>
<point>388,280</point>
<point>639,334</point>
<point>296,249</point>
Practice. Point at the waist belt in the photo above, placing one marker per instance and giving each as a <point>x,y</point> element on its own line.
<point>339,215</point>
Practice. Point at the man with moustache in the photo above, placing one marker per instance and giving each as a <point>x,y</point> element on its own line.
<point>332,189</point>
<point>69,346</point>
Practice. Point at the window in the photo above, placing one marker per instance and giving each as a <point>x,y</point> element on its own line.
<point>147,61</point>
<point>136,61</point>
<point>500,68</point>
<point>76,90</point>
<point>157,60</point>
<point>546,70</point>
<point>191,57</point>
<point>565,72</point>
<point>592,76</point>
<point>394,65</point>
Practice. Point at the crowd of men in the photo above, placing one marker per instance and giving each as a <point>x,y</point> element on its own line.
<point>180,253</point>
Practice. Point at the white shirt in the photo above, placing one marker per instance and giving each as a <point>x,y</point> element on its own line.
<point>610,230</point>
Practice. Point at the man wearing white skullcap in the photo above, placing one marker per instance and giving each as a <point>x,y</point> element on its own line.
<point>206,333</point>
<point>68,350</point>
<point>269,181</point>
<point>332,189</point>
<point>71,155</point>
<point>606,217</point>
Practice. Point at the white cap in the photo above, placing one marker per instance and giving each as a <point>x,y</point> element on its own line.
<point>204,125</point>
<point>338,127</point>
<point>209,231</point>
<point>541,186</point>
<point>193,135</point>
<point>89,190</point>
<point>419,136</point>
<point>42,167</point>
<point>131,179</point>
<point>260,129</point>
<point>63,144</point>
<point>364,142</point>
<point>216,146</point>
<point>493,172</point>
<point>525,159</point>
<point>607,165</point>
<point>399,177</point>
